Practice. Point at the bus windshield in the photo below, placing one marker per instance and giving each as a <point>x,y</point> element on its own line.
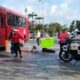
<point>14,20</point>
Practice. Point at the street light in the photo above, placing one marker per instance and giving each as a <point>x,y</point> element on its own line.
<point>26,2</point>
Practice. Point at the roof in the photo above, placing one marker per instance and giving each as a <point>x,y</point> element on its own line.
<point>12,11</point>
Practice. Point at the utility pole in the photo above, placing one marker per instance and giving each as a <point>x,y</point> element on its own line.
<point>26,1</point>
<point>42,9</point>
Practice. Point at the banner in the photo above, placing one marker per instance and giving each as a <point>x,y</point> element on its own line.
<point>47,42</point>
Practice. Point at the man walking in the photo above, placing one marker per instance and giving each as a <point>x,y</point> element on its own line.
<point>15,39</point>
<point>38,37</point>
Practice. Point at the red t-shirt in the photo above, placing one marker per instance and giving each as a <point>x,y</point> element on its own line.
<point>16,37</point>
<point>63,36</point>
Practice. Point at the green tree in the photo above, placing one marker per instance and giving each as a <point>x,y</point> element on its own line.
<point>54,28</point>
<point>32,16</point>
<point>38,26</point>
<point>39,18</point>
<point>75,25</point>
<point>78,24</point>
<point>72,27</point>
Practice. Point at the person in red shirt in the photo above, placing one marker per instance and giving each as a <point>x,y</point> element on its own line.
<point>63,36</point>
<point>15,39</point>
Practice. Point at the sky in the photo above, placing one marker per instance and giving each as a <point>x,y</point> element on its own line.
<point>62,11</point>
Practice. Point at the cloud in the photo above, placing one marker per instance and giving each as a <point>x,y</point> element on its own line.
<point>29,9</point>
<point>71,1</point>
<point>65,12</point>
<point>54,9</point>
<point>62,10</point>
<point>31,1</point>
<point>74,15</point>
<point>11,4</point>
<point>43,11</point>
<point>68,1</point>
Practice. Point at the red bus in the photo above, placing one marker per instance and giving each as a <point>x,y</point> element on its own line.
<point>12,20</point>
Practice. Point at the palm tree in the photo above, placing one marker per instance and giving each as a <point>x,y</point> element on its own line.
<point>32,15</point>
<point>39,18</point>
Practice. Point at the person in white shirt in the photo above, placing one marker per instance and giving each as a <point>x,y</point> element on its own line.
<point>38,37</point>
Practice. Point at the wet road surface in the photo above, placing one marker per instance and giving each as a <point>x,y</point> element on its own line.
<point>38,66</point>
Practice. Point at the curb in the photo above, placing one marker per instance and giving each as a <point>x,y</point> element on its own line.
<point>26,48</point>
<point>4,54</point>
<point>29,48</point>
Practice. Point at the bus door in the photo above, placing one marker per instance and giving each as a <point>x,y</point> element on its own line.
<point>2,30</point>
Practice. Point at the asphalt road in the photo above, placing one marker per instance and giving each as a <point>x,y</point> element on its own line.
<point>38,66</point>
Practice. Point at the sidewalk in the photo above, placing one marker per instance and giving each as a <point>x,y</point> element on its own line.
<point>27,48</point>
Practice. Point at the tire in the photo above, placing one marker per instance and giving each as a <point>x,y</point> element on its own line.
<point>65,59</point>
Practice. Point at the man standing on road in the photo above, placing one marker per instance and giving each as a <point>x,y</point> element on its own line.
<point>15,39</point>
<point>62,36</point>
<point>38,37</point>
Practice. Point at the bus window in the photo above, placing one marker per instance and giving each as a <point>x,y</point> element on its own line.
<point>22,22</point>
<point>1,21</point>
<point>14,20</point>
